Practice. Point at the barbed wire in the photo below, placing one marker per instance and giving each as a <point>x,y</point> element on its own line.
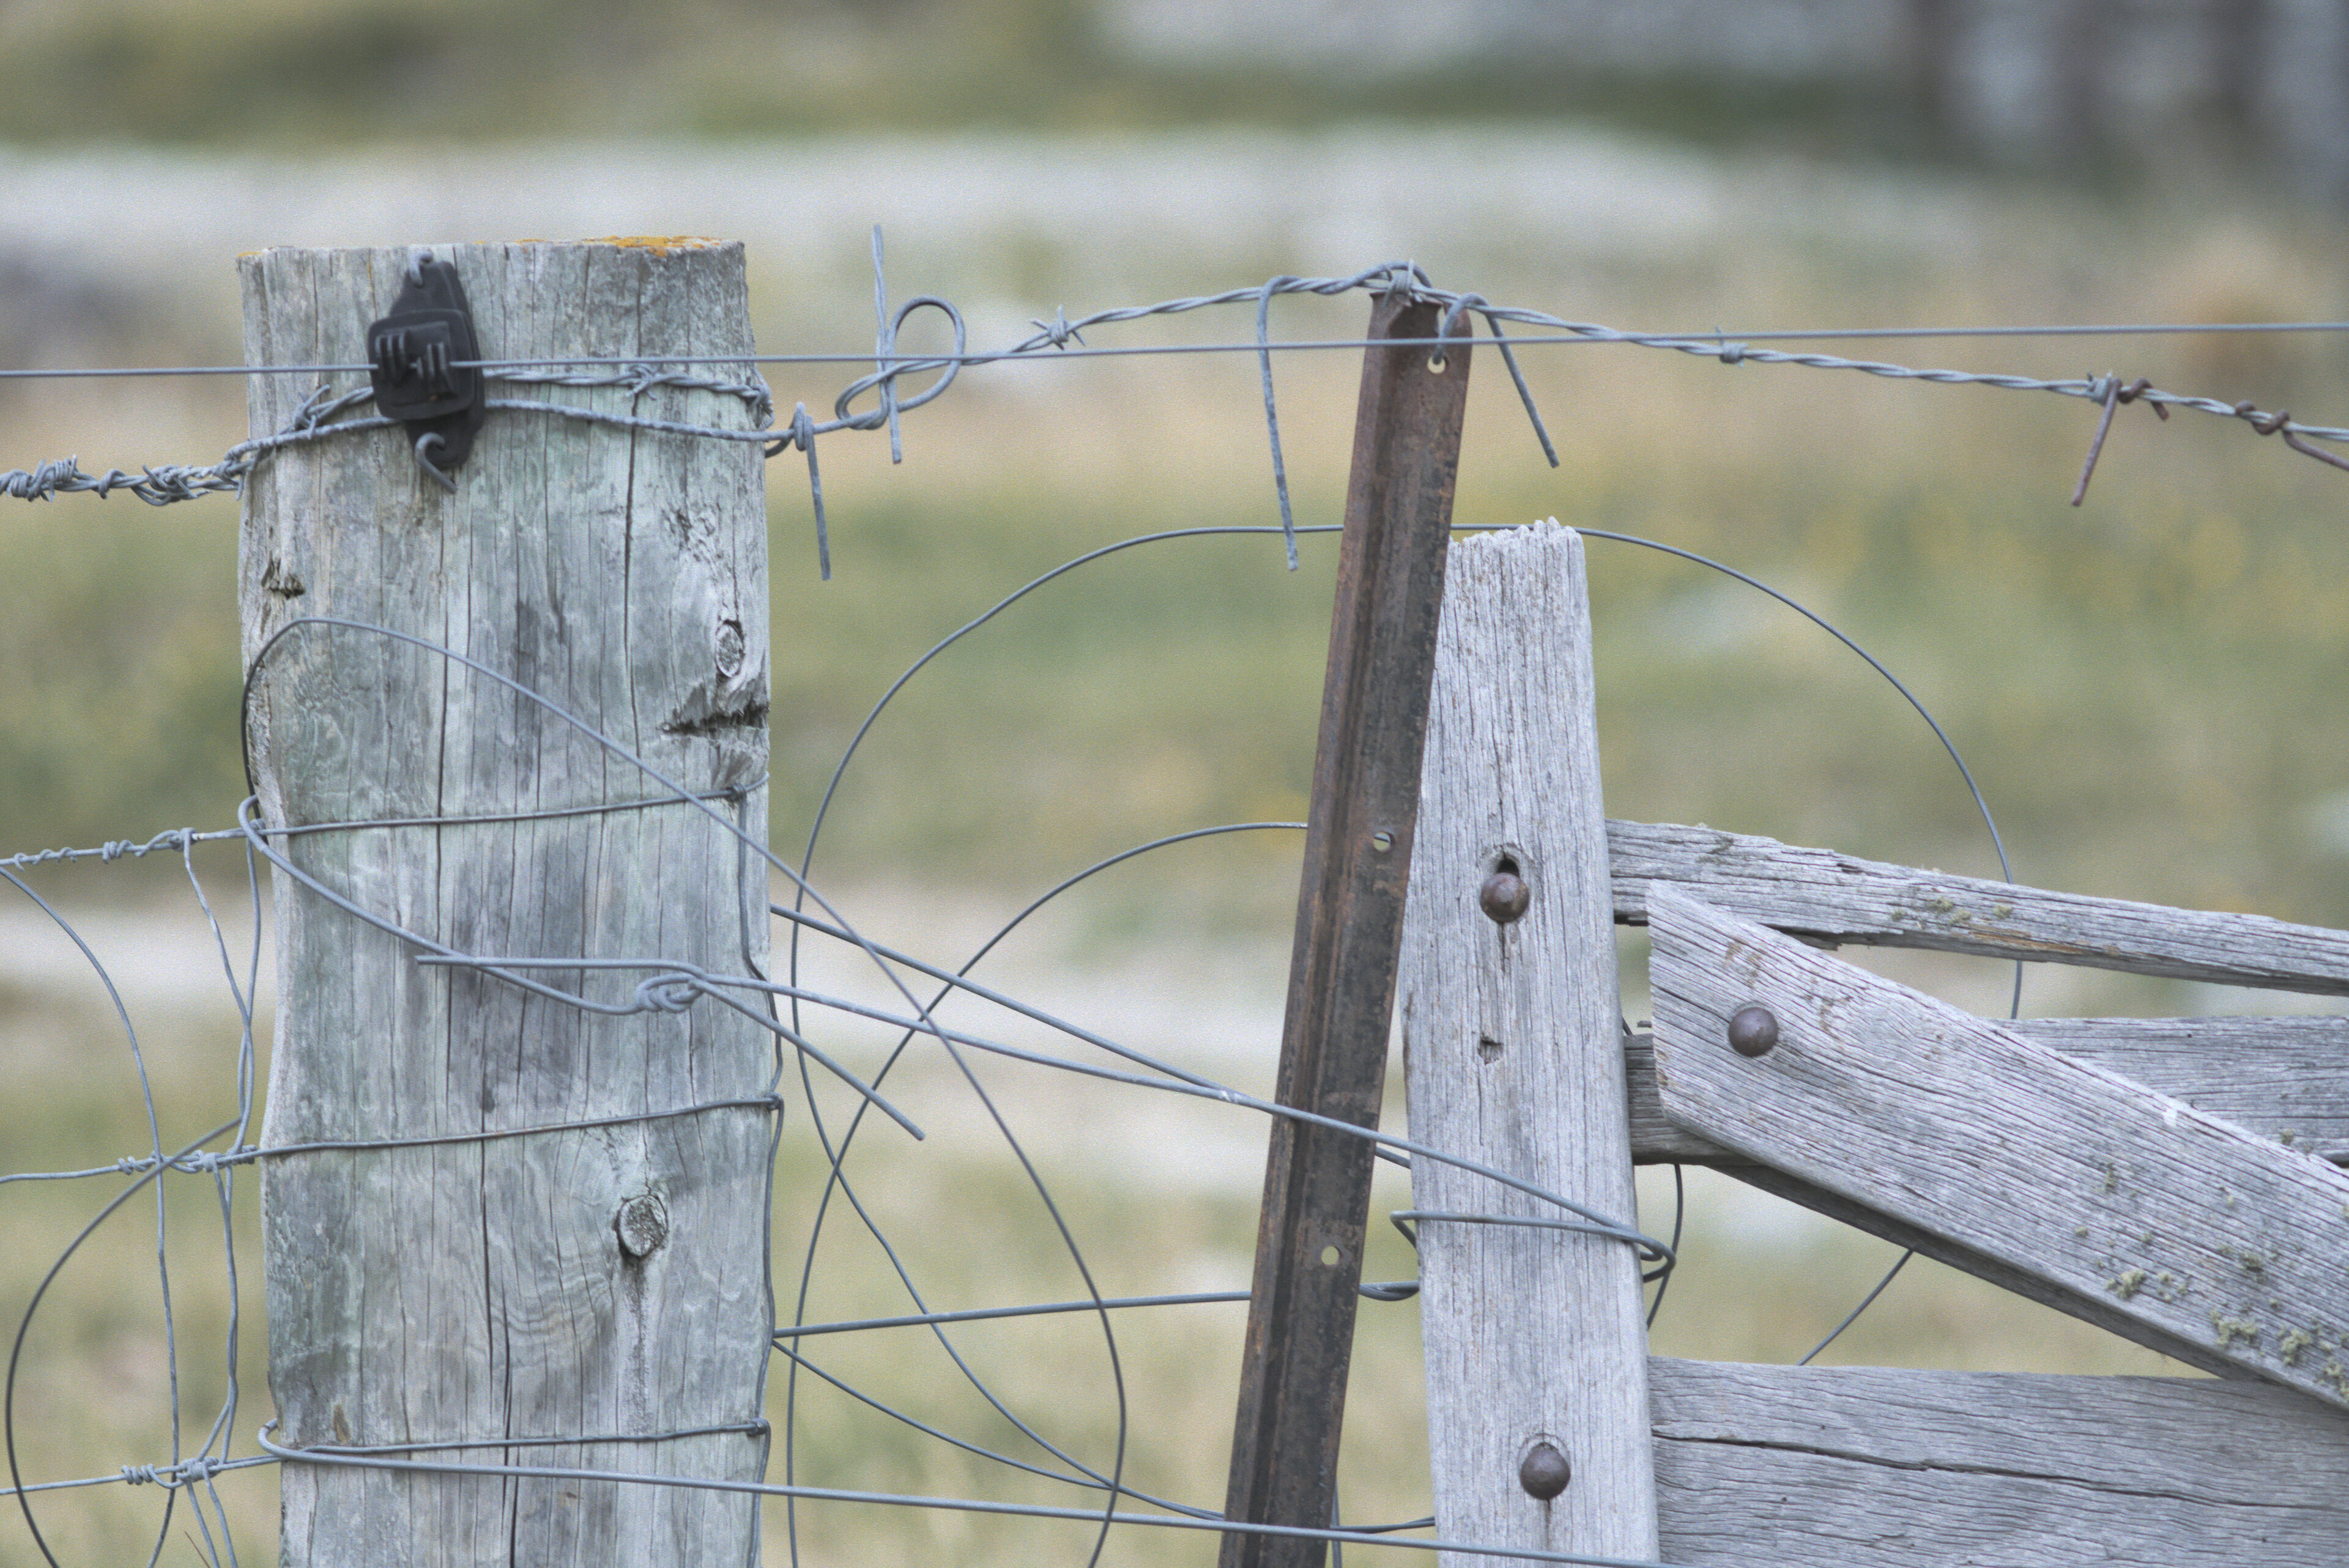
<point>166,484</point>
<point>661,984</point>
<point>1748,334</point>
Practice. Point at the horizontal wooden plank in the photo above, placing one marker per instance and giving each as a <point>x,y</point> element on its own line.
<point>2285,1078</point>
<point>1838,898</point>
<point>1810,1467</point>
<point>2201,1232</point>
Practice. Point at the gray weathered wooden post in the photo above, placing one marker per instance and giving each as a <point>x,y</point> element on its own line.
<point>507,1295</point>
<point>1513,1056</point>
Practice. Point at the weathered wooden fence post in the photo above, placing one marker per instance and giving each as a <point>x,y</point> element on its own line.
<point>1513,1056</point>
<point>585,1298</point>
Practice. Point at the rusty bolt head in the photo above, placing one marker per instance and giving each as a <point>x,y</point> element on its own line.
<point>1753,1031</point>
<point>1544,1472</point>
<point>1506,897</point>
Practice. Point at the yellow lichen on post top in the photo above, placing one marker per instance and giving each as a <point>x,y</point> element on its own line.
<point>659,245</point>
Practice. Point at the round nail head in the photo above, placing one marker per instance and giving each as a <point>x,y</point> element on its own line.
<point>1506,897</point>
<point>1753,1031</point>
<point>1544,1472</point>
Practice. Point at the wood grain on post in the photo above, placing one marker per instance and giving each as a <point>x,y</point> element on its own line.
<point>2199,1231</point>
<point>1342,975</point>
<point>1867,1467</point>
<point>518,1294</point>
<point>1513,1056</point>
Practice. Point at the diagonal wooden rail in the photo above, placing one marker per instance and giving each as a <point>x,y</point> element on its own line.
<point>1341,979</point>
<point>2197,1231</point>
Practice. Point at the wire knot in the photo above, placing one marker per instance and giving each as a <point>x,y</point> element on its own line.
<point>313,412</point>
<point>640,379</point>
<point>667,993</point>
<point>1733,354</point>
<point>187,1472</point>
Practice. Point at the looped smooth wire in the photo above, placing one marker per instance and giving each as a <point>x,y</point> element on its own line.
<point>886,376</point>
<point>1449,326</point>
<point>322,405</point>
<point>1649,1249</point>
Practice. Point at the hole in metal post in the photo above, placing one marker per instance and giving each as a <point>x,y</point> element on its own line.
<point>1331,1257</point>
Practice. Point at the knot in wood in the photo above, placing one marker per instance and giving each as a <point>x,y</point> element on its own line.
<point>642,1225</point>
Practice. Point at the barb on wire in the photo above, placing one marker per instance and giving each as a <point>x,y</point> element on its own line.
<point>667,984</point>
<point>157,486</point>
<point>163,485</point>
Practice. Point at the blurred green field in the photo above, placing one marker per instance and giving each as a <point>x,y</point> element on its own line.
<point>2148,689</point>
<point>347,72</point>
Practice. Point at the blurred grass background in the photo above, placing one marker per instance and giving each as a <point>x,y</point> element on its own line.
<point>2148,688</point>
<point>358,71</point>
